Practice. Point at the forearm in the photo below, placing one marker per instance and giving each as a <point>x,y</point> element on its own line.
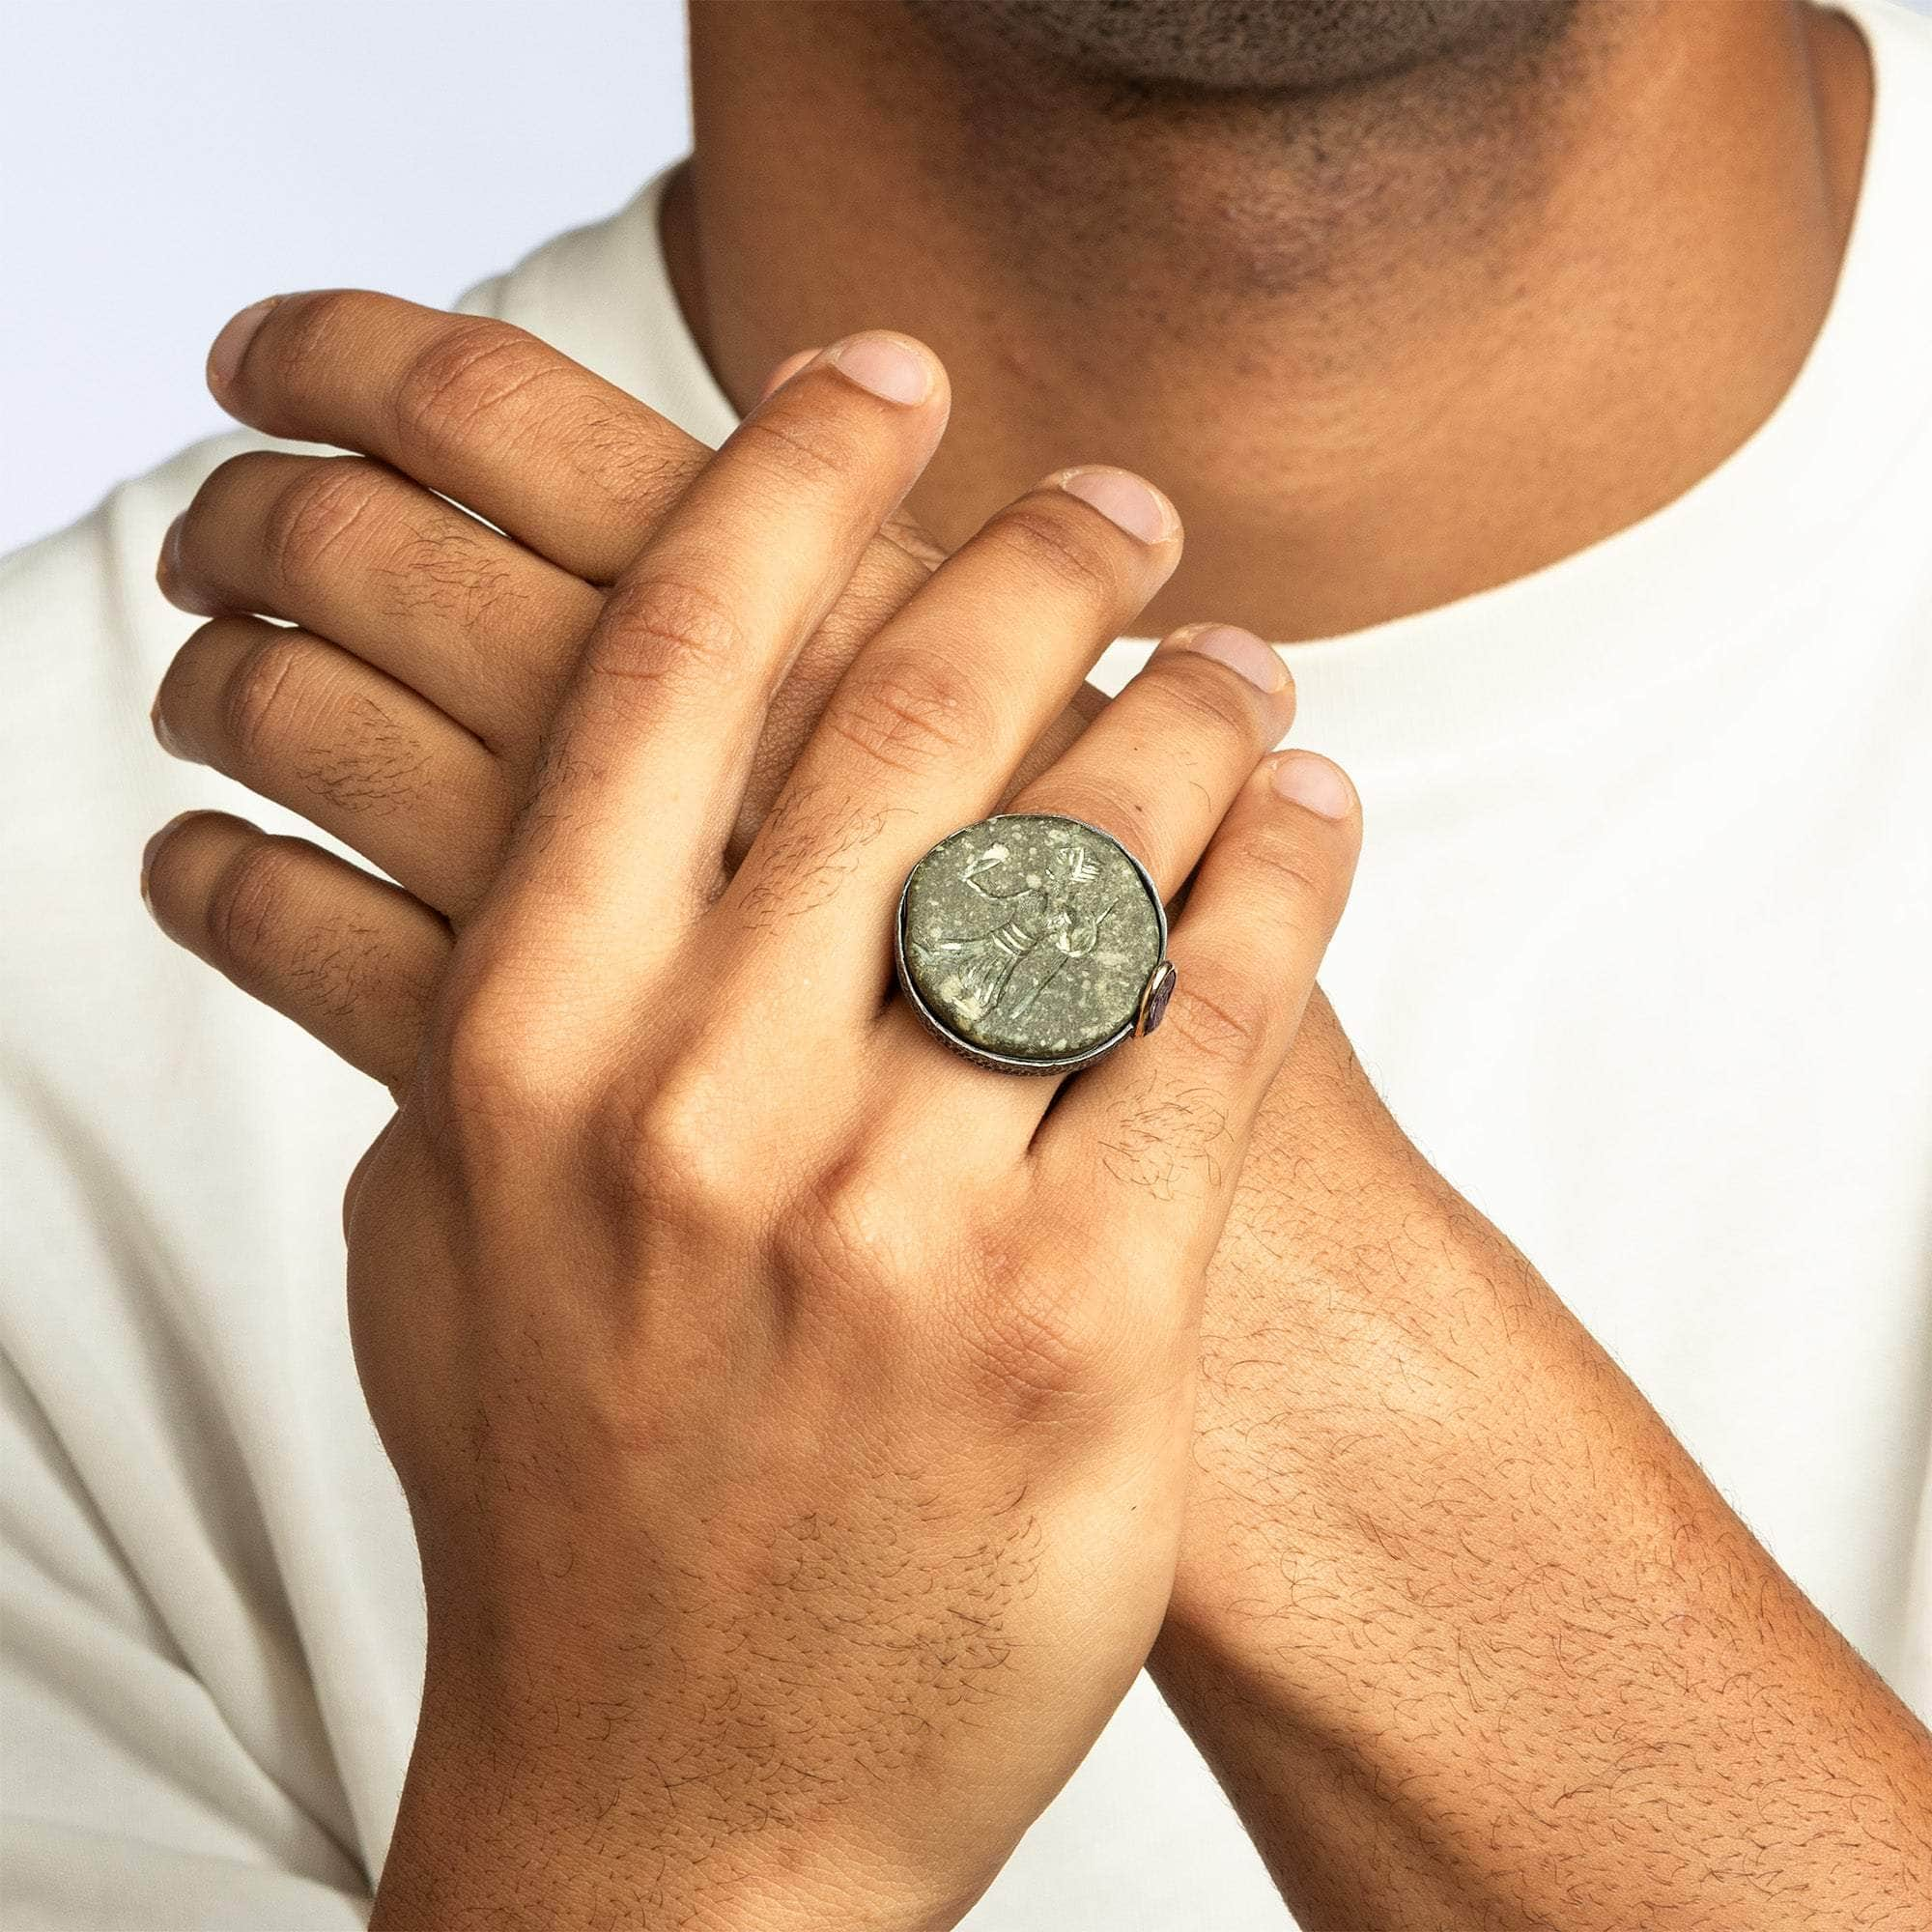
<point>1467,1637</point>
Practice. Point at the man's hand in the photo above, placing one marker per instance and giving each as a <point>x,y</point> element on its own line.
<point>402,702</point>
<point>794,1419</point>
<point>1469,1638</point>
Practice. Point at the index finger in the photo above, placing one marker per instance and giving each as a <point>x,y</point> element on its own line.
<point>445,398</point>
<point>573,467</point>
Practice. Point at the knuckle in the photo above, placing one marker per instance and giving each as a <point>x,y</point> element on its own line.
<point>1199,692</point>
<point>467,375</point>
<point>850,1234</point>
<point>1225,1017</point>
<point>314,513</point>
<point>249,902</point>
<point>1048,541</point>
<point>258,700</point>
<point>1038,1343</point>
<point>244,478</point>
<point>662,628</point>
<point>298,334</point>
<point>678,1142</point>
<point>804,450</point>
<point>490,1088</point>
<point>909,711</point>
<point>305,736</point>
<point>229,500</point>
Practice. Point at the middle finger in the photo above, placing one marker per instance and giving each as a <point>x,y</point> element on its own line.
<point>929,726</point>
<point>481,627</point>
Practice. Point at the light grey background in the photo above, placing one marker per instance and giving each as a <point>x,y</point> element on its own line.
<point>162,163</point>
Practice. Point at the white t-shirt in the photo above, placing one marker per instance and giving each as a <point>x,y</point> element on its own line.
<point>1640,950</point>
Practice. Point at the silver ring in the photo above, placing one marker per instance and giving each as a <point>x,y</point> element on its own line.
<point>1033,942</point>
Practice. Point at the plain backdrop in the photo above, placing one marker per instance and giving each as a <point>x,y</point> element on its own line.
<point>162,162</point>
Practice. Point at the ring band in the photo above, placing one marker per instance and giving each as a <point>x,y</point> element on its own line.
<point>1033,942</point>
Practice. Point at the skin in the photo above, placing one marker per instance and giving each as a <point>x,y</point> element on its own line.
<point>1598,1703</point>
<point>831,1676</point>
<point>1163,49</point>
<point>1413,1738</point>
<point>1341,332</point>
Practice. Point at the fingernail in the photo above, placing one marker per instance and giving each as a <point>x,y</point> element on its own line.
<point>167,564</point>
<point>1314,784</point>
<point>168,578</point>
<point>226,350</point>
<point>148,856</point>
<point>1125,500</point>
<point>884,364</point>
<point>163,737</point>
<point>1240,651</point>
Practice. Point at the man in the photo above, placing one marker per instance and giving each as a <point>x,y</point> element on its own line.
<point>1547,378</point>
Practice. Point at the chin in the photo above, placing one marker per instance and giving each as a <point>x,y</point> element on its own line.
<point>1267,47</point>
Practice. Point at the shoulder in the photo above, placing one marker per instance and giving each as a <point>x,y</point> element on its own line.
<point>80,618</point>
<point>85,631</point>
<point>80,607</point>
<point>1896,28</point>
<point>85,638</point>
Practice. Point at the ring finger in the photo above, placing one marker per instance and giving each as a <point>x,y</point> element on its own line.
<point>1159,767</point>
<point>1158,770</point>
<point>365,758</point>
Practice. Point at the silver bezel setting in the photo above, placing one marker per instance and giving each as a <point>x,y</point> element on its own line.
<point>1003,1062</point>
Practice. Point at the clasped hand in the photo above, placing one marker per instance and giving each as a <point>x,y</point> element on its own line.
<point>795,1420</point>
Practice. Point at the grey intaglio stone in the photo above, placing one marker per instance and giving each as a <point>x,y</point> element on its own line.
<point>1031,936</point>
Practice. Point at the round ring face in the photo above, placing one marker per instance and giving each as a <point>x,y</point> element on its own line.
<point>1029,939</point>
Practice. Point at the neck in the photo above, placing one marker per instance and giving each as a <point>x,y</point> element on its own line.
<point>1386,345</point>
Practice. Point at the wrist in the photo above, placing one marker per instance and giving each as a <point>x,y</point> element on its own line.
<point>1374,1356</point>
<point>502,1834</point>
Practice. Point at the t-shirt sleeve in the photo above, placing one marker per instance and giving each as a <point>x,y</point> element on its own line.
<point>164,1761</point>
<point>128,1801</point>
